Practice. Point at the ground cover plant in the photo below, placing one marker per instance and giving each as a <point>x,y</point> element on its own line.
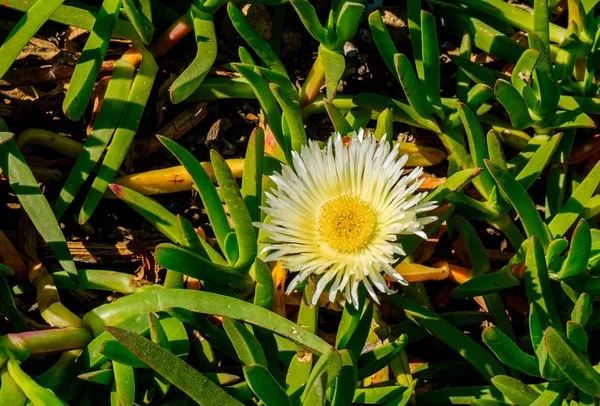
<point>294,202</point>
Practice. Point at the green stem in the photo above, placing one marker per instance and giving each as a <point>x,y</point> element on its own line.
<point>22,345</point>
<point>314,81</point>
<point>173,280</point>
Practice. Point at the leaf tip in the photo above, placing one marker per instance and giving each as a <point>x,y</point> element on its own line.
<point>116,189</point>
<point>6,136</point>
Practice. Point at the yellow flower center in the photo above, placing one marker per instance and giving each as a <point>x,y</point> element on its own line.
<point>346,223</point>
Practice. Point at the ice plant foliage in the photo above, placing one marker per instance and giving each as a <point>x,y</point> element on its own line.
<point>339,214</point>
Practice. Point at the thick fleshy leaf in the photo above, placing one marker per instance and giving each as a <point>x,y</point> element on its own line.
<point>265,386</point>
<point>292,116</point>
<point>355,341</point>
<point>583,309</point>
<point>537,285</point>
<point>383,41</point>
<point>412,87</point>
<point>556,185</point>
<point>486,284</point>
<point>379,357</point>
<point>347,22</point>
<point>100,377</point>
<point>252,176</point>
<point>175,370</point>
<point>334,65</point>
<point>34,392</point>
<point>267,101</point>
<point>345,383</point>
<point>124,134</point>
<point>474,71</point>
<point>574,205</point>
<point>477,146</point>
<point>254,39</point>
<point>150,209</point>
<point>572,363</point>
<point>452,184</point>
<point>579,252</point>
<point>474,246</point>
<point>301,364</point>
<point>309,18</point>
<point>577,336</point>
<point>208,193</point>
<point>25,186</point>
<point>508,352</point>
<point>89,63</point>
<point>515,390</point>
<point>184,261</point>
<point>158,300</point>
<point>139,13</point>
<point>340,124</point>
<point>24,30</point>
<point>246,345</point>
<point>521,201</point>
<point>242,222</point>
<point>125,383</point>
<point>514,104</point>
<point>538,161</point>
<point>102,131</point>
<point>479,358</point>
<point>463,82</point>
<point>565,120</point>
<point>431,59</point>
<point>522,74</point>
<point>216,336</point>
<point>206,53</point>
<point>324,373</point>
<point>554,393</point>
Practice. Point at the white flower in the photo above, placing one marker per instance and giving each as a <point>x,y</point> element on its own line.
<point>339,214</point>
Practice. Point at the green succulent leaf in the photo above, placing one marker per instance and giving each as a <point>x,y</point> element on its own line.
<point>508,352</point>
<point>379,357</point>
<point>25,186</point>
<point>486,284</point>
<point>206,43</point>
<point>89,63</point>
<point>124,383</point>
<point>519,198</point>
<point>383,41</point>
<point>514,104</point>
<point>515,390</point>
<point>572,363</point>
<point>265,386</point>
<point>579,253</point>
<point>412,87</point>
<point>480,359</point>
<point>178,372</point>
<point>574,205</point>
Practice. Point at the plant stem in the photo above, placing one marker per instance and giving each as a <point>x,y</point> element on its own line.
<point>312,84</point>
<point>39,342</point>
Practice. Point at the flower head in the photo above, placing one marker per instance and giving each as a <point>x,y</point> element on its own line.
<point>340,212</point>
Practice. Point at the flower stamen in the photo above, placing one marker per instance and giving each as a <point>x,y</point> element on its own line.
<point>346,224</point>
